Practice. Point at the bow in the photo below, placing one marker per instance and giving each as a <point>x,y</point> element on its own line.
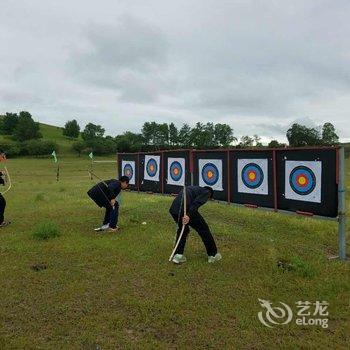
<point>9,180</point>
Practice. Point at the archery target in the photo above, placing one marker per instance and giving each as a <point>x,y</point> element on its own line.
<point>176,171</point>
<point>210,173</point>
<point>252,176</point>
<point>128,169</point>
<point>303,180</point>
<point>152,165</point>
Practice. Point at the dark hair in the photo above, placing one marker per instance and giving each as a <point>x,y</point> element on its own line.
<point>211,192</point>
<point>124,178</point>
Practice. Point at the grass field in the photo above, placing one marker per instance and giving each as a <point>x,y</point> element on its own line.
<point>118,291</point>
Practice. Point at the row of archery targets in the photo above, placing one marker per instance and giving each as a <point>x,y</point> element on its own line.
<point>298,180</point>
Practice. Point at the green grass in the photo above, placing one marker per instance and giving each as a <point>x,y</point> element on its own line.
<point>118,291</point>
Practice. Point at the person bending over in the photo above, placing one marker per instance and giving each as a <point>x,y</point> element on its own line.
<point>196,196</point>
<point>104,194</point>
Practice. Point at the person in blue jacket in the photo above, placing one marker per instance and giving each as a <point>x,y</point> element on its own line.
<point>196,196</point>
<point>104,194</point>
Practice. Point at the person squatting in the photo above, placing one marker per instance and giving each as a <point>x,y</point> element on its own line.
<point>104,194</point>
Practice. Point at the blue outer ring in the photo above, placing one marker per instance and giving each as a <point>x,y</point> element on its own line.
<point>128,166</point>
<point>214,169</point>
<point>259,178</point>
<point>175,164</point>
<point>308,173</point>
<point>149,163</point>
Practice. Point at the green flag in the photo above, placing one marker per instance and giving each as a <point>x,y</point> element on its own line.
<point>54,156</point>
<point>91,155</point>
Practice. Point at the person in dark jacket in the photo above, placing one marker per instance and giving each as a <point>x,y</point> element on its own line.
<point>196,196</point>
<point>104,194</point>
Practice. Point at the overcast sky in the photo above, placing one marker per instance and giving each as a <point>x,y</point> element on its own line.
<point>256,65</point>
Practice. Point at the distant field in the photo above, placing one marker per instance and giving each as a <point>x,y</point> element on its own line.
<point>118,291</point>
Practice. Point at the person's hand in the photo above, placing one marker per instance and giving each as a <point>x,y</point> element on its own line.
<point>185,219</point>
<point>112,202</point>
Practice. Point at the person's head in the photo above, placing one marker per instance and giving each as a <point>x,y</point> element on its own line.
<point>124,181</point>
<point>211,192</point>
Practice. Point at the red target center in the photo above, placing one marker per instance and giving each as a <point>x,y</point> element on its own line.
<point>176,171</point>
<point>252,175</point>
<point>302,180</point>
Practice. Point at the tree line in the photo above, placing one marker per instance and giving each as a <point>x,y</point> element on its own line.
<point>25,137</point>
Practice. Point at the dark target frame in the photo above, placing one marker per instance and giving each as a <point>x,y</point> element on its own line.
<point>332,206</point>
<point>250,199</point>
<point>213,154</point>
<point>130,157</point>
<point>186,154</point>
<point>148,185</point>
<point>329,182</point>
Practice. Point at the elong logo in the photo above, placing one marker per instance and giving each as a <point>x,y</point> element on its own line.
<point>272,316</point>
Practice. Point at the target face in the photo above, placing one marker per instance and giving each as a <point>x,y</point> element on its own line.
<point>303,180</point>
<point>152,168</point>
<point>128,169</point>
<point>176,171</point>
<point>252,176</point>
<point>210,173</point>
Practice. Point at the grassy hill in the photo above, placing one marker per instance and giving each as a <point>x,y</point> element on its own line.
<point>52,133</point>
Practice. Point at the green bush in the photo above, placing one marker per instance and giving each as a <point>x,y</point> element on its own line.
<point>11,148</point>
<point>46,230</point>
<point>39,147</point>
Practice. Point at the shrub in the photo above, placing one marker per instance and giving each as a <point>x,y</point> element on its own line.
<point>39,147</point>
<point>11,148</point>
<point>46,230</point>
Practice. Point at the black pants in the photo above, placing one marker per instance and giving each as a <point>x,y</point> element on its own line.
<point>111,215</point>
<point>198,223</point>
<point>2,208</point>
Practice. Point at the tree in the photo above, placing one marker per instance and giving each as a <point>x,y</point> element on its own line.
<point>257,142</point>
<point>71,129</point>
<point>275,144</point>
<point>185,136</point>
<point>79,147</point>
<point>203,135</point>
<point>130,142</point>
<point>92,131</point>
<point>100,145</point>
<point>40,147</point>
<point>148,132</point>
<point>26,128</point>
<point>329,136</point>
<point>300,135</point>
<point>173,135</point>
<point>223,135</point>
<point>246,141</point>
<point>9,123</point>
